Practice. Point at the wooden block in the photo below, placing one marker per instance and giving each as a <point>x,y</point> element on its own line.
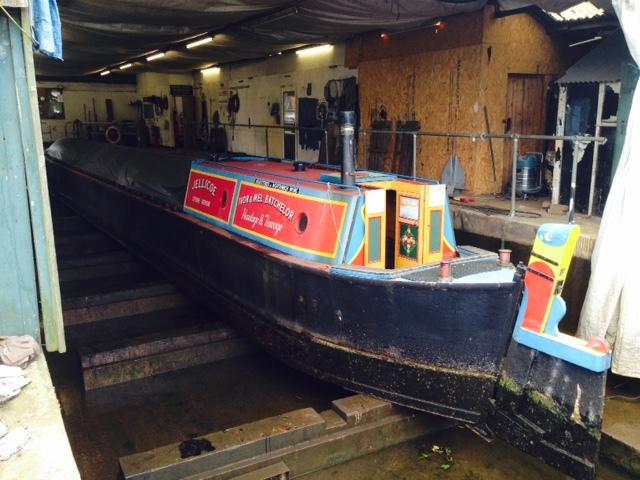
<point>231,445</point>
<point>359,409</point>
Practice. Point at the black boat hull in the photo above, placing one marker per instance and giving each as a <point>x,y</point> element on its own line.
<point>433,347</point>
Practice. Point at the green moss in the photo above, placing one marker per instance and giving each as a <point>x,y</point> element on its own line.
<point>547,403</point>
<point>510,386</point>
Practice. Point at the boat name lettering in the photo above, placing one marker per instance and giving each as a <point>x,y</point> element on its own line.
<point>275,202</point>
<point>278,186</point>
<point>205,184</point>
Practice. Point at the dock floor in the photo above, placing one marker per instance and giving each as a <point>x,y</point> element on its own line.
<point>488,216</point>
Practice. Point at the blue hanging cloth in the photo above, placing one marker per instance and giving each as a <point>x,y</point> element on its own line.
<point>45,25</point>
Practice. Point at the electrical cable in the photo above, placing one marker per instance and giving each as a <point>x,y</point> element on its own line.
<point>10,17</point>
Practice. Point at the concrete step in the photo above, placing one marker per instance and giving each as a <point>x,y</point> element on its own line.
<point>128,359</point>
<point>84,244</point>
<point>130,326</point>
<point>133,306</point>
<point>70,224</point>
<point>106,258</point>
<point>113,290</point>
<point>112,283</point>
<point>102,270</point>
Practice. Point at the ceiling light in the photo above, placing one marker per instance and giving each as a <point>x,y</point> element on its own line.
<point>155,56</point>
<point>210,70</point>
<point>279,53</point>
<point>104,73</point>
<point>197,43</point>
<point>125,66</point>
<point>327,47</point>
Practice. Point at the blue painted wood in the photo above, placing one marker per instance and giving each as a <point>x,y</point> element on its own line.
<point>18,291</point>
<point>37,188</point>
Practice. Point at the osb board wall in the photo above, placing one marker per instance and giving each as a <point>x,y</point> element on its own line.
<point>457,31</point>
<point>518,45</point>
<point>445,79</point>
<point>438,88</point>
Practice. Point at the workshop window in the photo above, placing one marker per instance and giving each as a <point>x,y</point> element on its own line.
<point>51,103</point>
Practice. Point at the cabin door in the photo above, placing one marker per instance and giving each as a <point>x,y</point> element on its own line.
<point>524,114</point>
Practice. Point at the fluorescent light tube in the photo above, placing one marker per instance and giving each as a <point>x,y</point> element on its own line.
<point>105,73</point>
<point>155,56</point>
<point>327,47</point>
<point>197,43</point>
<point>125,66</point>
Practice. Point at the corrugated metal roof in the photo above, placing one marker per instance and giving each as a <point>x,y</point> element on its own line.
<point>602,64</point>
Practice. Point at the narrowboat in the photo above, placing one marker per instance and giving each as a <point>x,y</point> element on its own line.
<point>355,277</point>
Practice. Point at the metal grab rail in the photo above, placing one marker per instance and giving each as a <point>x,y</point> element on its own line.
<point>473,136</point>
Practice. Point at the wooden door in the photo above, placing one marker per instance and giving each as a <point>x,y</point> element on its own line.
<point>525,114</point>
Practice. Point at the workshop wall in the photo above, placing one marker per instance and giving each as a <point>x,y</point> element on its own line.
<point>441,77</point>
<point>259,84</point>
<point>79,97</point>
<point>518,45</point>
<point>151,83</point>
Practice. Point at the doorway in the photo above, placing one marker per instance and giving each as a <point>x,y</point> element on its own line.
<point>524,114</point>
<point>290,119</point>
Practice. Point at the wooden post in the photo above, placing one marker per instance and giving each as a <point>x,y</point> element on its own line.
<point>557,166</point>
<point>18,294</point>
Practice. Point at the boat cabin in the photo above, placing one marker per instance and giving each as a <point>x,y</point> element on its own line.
<point>384,221</point>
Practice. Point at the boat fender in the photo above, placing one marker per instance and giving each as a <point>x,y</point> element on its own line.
<point>112,134</point>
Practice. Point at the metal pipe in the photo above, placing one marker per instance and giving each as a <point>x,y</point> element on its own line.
<point>514,174</point>
<point>596,148</point>
<point>504,256</point>
<point>415,153</point>
<point>326,147</point>
<point>574,174</point>
<point>473,135</point>
<point>347,132</point>
<point>445,270</point>
<point>485,136</point>
<point>365,159</point>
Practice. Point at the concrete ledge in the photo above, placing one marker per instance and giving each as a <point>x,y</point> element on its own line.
<point>521,230</point>
<point>48,454</point>
<point>621,435</point>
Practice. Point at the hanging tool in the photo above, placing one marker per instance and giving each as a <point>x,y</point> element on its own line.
<point>493,158</point>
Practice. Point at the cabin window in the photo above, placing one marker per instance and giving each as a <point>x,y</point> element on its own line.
<point>375,239</point>
<point>224,199</point>
<point>435,231</point>
<point>303,220</point>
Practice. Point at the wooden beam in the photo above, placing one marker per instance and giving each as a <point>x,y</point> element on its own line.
<point>40,210</point>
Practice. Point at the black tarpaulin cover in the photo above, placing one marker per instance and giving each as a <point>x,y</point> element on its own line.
<point>161,175</point>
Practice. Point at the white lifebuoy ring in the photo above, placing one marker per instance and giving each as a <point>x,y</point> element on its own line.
<point>108,136</point>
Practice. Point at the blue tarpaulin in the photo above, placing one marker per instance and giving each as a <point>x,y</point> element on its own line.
<point>45,24</point>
